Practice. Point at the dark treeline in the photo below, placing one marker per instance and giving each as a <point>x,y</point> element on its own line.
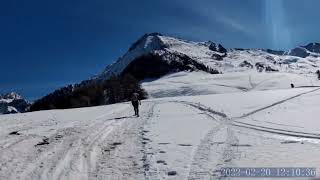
<point>115,89</point>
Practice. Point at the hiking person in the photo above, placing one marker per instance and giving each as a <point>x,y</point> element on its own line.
<point>135,103</point>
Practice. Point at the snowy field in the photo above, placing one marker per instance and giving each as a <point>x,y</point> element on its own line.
<point>201,83</point>
<point>231,120</point>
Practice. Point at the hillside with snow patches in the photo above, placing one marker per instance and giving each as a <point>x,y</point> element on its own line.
<point>216,56</point>
<point>13,103</point>
<point>194,123</point>
<point>237,68</point>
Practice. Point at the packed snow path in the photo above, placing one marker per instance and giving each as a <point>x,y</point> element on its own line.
<point>174,138</point>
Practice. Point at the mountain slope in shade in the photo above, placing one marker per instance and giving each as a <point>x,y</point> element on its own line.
<point>13,103</point>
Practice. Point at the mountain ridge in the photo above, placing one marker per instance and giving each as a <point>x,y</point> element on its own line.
<point>13,103</point>
<point>159,43</point>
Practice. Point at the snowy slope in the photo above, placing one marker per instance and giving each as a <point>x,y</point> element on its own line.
<point>188,137</point>
<point>201,83</point>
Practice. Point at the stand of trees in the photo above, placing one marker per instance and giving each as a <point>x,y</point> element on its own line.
<point>114,90</point>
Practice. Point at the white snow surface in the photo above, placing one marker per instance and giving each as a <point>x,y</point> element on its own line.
<point>201,83</point>
<point>229,120</point>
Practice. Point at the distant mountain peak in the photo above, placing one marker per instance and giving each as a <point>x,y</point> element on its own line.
<point>148,40</point>
<point>170,49</point>
<point>12,103</point>
<point>11,95</point>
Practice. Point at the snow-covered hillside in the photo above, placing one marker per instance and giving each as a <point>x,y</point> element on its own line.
<point>12,103</point>
<point>8,98</point>
<point>189,137</point>
<point>201,83</point>
<point>170,50</point>
<point>217,57</point>
<point>241,69</point>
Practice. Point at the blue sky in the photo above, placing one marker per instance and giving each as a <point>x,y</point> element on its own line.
<point>48,44</point>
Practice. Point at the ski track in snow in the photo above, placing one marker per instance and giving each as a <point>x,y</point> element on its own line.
<point>73,160</point>
<point>71,153</point>
<point>218,142</point>
<point>118,146</point>
<point>202,166</point>
<point>276,103</point>
<point>243,88</point>
<point>125,158</point>
<point>236,122</point>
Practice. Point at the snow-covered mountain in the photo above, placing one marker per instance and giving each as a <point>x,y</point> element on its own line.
<point>13,103</point>
<point>154,58</point>
<point>158,58</point>
<point>170,54</point>
<point>151,48</point>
